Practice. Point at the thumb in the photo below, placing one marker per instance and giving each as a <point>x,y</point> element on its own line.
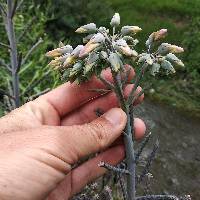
<point>95,136</point>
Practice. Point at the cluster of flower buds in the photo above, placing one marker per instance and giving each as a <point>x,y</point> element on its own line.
<point>109,48</point>
<point>162,59</point>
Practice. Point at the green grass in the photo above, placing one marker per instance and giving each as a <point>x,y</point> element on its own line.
<point>182,90</point>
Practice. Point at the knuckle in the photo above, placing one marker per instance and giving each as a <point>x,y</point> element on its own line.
<point>100,133</point>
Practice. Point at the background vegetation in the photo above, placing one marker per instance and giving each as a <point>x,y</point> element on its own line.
<point>56,20</point>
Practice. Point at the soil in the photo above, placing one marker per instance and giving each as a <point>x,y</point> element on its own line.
<point>176,169</point>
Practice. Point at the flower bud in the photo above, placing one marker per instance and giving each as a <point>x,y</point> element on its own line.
<point>73,56</point>
<point>160,34</point>
<point>69,61</point>
<point>131,40</point>
<point>115,61</point>
<point>115,21</point>
<point>155,69</point>
<point>155,36</point>
<point>126,30</point>
<point>77,67</point>
<point>90,62</point>
<point>168,66</point>
<point>87,38</point>
<point>166,48</point>
<point>172,58</point>
<point>94,42</point>
<point>88,28</point>
<point>61,44</point>
<point>60,51</point>
<point>123,48</point>
<point>77,51</point>
<point>58,62</point>
<point>176,49</point>
<point>87,49</point>
<point>97,38</point>
<point>103,55</point>
<point>103,29</point>
<point>145,58</point>
<point>93,57</point>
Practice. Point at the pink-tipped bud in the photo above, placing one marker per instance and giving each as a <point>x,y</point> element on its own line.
<point>160,34</point>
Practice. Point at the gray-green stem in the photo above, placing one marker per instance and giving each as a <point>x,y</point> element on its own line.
<point>128,139</point>
<point>13,52</point>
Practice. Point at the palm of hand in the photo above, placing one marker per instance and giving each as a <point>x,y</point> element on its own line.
<point>66,106</point>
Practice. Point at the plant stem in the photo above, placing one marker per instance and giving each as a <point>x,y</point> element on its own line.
<point>13,53</point>
<point>128,139</point>
<point>130,157</point>
<point>136,83</point>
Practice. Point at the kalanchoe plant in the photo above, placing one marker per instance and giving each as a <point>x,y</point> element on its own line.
<point>109,48</point>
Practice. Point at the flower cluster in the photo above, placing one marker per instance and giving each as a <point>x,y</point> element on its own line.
<point>109,48</point>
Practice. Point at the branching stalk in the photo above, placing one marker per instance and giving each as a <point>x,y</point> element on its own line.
<point>13,52</point>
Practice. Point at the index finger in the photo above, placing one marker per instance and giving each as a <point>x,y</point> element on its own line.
<point>71,96</point>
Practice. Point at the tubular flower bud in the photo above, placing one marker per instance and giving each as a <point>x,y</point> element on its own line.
<point>115,21</point>
<point>165,64</point>
<point>145,58</point>
<point>88,48</point>
<point>73,56</point>
<point>160,34</point>
<point>115,61</point>
<point>176,49</point>
<point>60,51</point>
<point>77,67</point>
<point>126,30</point>
<point>94,42</point>
<point>69,61</point>
<point>91,61</point>
<point>58,62</point>
<point>129,39</point>
<point>87,38</point>
<point>88,28</point>
<point>155,36</point>
<point>104,55</point>
<point>103,29</point>
<point>172,58</point>
<point>123,47</point>
<point>166,48</point>
<point>77,51</point>
<point>155,69</point>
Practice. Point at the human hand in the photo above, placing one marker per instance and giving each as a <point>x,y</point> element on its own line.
<point>42,140</point>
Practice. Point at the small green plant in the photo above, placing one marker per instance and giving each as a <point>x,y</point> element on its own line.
<point>102,49</point>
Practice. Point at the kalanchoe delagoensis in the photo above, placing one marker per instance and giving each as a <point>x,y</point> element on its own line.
<point>93,43</point>
<point>88,28</point>
<point>72,58</point>
<point>115,61</point>
<point>165,48</point>
<point>111,48</point>
<point>128,30</point>
<point>60,51</point>
<point>156,36</point>
<point>115,21</point>
<point>173,59</point>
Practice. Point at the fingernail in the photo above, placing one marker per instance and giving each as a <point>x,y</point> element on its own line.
<point>114,116</point>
